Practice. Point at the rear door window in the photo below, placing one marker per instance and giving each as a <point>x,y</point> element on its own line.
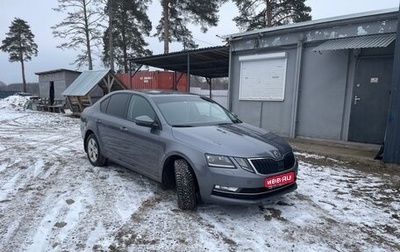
<point>118,104</point>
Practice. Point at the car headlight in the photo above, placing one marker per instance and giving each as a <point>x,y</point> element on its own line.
<point>244,164</point>
<point>219,161</point>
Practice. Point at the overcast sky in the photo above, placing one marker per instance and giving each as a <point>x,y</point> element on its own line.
<point>40,17</point>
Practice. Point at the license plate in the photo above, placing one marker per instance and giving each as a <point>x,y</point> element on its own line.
<point>279,180</point>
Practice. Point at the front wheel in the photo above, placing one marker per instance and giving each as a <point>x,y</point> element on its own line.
<point>93,151</point>
<point>185,185</point>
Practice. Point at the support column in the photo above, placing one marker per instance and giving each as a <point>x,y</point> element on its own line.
<point>296,88</point>
<point>391,152</point>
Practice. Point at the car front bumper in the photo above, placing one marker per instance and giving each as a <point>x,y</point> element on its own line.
<point>218,185</point>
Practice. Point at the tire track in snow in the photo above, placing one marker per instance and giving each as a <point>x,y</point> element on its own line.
<point>94,210</point>
<point>158,224</point>
<point>54,148</point>
<point>24,181</point>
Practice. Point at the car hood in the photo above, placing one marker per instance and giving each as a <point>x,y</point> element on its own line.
<point>240,140</point>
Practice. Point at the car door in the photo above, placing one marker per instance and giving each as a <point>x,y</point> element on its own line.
<point>110,126</point>
<point>146,147</point>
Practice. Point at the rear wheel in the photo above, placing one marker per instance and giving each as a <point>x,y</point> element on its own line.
<point>185,185</point>
<point>93,151</point>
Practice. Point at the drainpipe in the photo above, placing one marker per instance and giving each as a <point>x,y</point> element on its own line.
<point>296,88</point>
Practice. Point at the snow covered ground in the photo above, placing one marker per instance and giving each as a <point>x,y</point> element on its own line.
<point>52,199</point>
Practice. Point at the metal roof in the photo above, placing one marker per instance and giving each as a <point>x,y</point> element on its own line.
<point>212,62</point>
<point>57,71</point>
<point>85,82</point>
<point>370,41</point>
<point>331,21</point>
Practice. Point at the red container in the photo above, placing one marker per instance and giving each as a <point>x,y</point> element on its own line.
<point>155,80</point>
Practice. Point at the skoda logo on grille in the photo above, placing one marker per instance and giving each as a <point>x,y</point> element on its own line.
<point>276,153</point>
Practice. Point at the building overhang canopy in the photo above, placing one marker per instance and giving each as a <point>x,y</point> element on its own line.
<point>368,41</point>
<point>210,62</point>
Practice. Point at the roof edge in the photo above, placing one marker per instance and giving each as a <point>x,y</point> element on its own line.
<point>57,70</point>
<point>197,50</point>
<point>317,22</point>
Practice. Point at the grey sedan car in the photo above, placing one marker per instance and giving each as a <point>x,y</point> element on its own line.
<point>189,142</point>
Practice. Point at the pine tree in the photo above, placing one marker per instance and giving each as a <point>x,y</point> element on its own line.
<point>20,45</point>
<point>129,23</point>
<point>178,14</point>
<point>81,29</point>
<point>257,14</point>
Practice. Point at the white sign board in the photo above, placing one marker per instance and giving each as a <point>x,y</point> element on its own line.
<point>262,77</point>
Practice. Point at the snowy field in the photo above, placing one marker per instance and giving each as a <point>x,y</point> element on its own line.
<point>52,199</point>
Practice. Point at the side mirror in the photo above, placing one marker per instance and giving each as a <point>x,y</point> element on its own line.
<point>146,121</point>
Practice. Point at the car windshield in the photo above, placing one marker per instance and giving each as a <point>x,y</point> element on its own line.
<point>189,111</point>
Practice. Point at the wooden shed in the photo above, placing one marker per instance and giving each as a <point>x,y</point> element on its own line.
<point>51,85</point>
<point>89,87</point>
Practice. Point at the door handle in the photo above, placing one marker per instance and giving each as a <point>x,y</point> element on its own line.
<point>356,99</point>
<point>123,128</point>
<point>98,120</point>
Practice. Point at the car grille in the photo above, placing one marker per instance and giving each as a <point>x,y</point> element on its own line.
<point>269,165</point>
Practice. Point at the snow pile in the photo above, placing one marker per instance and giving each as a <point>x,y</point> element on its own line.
<point>14,101</point>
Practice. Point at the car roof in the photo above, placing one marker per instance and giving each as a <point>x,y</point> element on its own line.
<point>157,92</point>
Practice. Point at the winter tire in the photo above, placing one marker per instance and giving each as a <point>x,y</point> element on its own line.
<point>185,185</point>
<point>93,151</point>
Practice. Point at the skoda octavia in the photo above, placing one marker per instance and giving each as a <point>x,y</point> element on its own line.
<point>189,142</point>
